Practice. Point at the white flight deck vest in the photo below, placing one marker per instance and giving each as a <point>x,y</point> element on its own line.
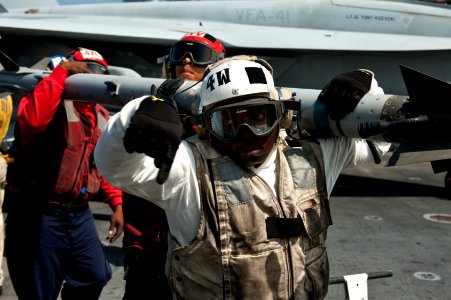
<point>251,244</point>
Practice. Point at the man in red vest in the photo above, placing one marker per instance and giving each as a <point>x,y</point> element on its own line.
<point>52,241</point>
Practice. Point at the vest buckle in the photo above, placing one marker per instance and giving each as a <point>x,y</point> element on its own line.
<point>284,227</point>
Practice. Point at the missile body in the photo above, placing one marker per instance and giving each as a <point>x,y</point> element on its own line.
<point>420,122</point>
<point>118,90</point>
<point>379,117</point>
<point>371,110</point>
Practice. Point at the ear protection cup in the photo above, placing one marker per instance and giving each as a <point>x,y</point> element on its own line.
<point>285,94</point>
<point>202,133</point>
<point>172,70</point>
<point>165,69</point>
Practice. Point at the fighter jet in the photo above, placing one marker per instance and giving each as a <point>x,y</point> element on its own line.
<point>307,42</point>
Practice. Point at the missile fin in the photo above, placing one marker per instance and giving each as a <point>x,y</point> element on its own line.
<point>411,154</point>
<point>426,93</point>
<point>7,63</point>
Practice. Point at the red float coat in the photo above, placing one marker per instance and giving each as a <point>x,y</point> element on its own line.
<point>45,139</point>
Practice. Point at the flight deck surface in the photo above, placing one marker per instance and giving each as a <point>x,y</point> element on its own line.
<point>393,219</point>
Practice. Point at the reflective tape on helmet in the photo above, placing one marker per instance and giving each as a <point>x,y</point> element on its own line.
<point>205,38</point>
<point>84,54</point>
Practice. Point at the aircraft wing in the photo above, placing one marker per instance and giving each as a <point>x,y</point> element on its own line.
<point>317,39</point>
<point>165,30</point>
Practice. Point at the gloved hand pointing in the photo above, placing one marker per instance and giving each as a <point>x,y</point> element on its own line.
<point>156,129</point>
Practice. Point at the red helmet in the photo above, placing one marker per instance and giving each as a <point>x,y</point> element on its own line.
<point>96,63</point>
<point>203,37</point>
<point>203,48</point>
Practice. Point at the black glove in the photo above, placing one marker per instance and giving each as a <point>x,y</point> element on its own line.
<point>156,129</point>
<point>344,92</point>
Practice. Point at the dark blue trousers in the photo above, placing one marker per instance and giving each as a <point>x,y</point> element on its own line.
<point>64,251</point>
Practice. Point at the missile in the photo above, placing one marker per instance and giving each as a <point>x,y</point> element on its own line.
<point>418,121</point>
<point>114,90</point>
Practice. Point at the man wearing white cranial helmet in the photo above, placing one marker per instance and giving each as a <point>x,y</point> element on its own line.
<point>247,212</point>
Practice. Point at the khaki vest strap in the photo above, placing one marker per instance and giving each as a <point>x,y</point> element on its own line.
<point>319,164</point>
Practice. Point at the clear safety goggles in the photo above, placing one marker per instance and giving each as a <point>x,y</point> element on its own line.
<point>97,68</point>
<point>261,118</point>
<point>199,53</point>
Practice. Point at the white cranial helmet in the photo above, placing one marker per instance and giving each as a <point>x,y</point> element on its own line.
<point>235,78</point>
